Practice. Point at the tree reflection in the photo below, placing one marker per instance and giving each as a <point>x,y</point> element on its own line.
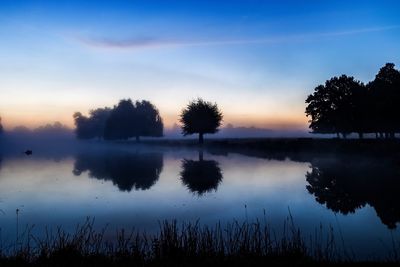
<point>345,185</point>
<point>201,176</point>
<point>125,170</point>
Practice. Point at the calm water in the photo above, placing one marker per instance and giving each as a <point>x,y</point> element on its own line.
<point>125,187</point>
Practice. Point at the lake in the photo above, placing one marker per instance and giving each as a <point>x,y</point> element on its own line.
<point>136,186</point>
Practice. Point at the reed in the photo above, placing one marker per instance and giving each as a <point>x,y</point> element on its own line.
<point>184,244</point>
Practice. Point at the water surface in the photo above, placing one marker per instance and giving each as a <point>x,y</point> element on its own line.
<point>131,187</point>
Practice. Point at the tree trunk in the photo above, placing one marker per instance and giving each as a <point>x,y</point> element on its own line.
<point>344,135</point>
<point>361,135</point>
<point>381,135</point>
<point>392,136</point>
<point>201,155</point>
<point>376,135</point>
<point>201,138</point>
<point>337,135</point>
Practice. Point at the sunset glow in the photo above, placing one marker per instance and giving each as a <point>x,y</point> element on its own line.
<point>258,66</point>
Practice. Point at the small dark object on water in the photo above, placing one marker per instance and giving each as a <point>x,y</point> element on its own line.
<point>28,152</point>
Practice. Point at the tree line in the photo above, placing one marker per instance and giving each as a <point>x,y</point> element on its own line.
<point>341,106</point>
<point>137,119</point>
<point>126,120</point>
<point>344,105</point>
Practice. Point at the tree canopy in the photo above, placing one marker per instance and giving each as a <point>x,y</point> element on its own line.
<point>93,125</point>
<point>200,117</point>
<point>345,105</point>
<point>125,120</point>
<point>129,119</point>
<point>384,92</point>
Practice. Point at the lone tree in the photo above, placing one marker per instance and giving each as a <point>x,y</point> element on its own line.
<point>200,117</point>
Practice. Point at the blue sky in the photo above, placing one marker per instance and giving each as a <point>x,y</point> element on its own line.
<point>257,59</point>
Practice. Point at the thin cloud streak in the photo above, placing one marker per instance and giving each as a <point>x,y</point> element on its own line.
<point>153,42</point>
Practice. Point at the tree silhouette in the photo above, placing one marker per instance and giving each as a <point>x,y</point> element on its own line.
<point>92,126</point>
<point>150,120</point>
<point>201,176</point>
<point>385,92</point>
<point>344,105</point>
<point>1,127</point>
<point>332,107</point>
<point>345,185</point>
<point>122,122</point>
<point>125,170</point>
<point>200,117</point>
<point>129,119</point>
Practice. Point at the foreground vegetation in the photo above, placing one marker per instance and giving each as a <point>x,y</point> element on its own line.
<point>233,244</point>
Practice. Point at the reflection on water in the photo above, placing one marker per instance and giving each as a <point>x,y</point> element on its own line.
<point>201,176</point>
<point>345,185</point>
<point>126,170</point>
<point>139,187</point>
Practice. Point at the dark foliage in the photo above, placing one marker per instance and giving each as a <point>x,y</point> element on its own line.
<point>201,176</point>
<point>1,127</point>
<point>345,105</point>
<point>129,119</point>
<point>385,101</point>
<point>200,117</point>
<point>345,185</point>
<point>332,107</point>
<point>92,126</point>
<point>126,120</point>
<point>122,121</point>
<point>126,170</point>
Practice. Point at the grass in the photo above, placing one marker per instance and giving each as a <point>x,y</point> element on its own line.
<point>186,244</point>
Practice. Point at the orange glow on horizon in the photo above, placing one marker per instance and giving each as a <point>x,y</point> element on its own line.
<point>33,119</point>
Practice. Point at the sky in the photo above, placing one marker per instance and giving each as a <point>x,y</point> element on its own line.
<point>258,60</point>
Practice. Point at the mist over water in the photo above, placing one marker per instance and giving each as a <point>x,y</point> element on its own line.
<point>125,186</point>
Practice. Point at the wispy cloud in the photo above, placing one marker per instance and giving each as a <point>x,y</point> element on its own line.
<point>154,42</point>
